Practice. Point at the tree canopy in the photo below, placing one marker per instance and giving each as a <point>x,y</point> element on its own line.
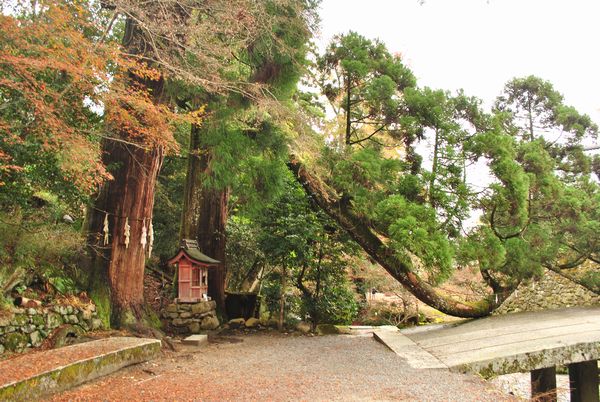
<point>96,99</point>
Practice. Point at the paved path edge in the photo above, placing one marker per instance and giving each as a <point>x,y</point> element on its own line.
<point>524,362</point>
<point>64,377</point>
<point>408,350</point>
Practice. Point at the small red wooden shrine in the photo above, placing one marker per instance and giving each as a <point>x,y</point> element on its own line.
<point>192,272</point>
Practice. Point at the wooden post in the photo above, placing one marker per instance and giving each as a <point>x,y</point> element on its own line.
<point>583,379</point>
<point>543,385</point>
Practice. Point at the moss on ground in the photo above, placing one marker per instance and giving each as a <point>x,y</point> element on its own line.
<point>15,341</point>
<point>101,299</point>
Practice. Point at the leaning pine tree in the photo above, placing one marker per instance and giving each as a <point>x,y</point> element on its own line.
<point>538,204</point>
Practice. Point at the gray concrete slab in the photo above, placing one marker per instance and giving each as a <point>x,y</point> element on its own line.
<point>31,376</point>
<point>516,342</point>
<point>195,340</point>
<point>408,350</point>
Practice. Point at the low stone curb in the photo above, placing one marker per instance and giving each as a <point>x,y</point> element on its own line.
<point>127,351</point>
<point>408,350</point>
<point>523,362</point>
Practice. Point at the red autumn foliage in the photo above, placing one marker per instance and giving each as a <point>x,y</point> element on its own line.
<point>59,77</point>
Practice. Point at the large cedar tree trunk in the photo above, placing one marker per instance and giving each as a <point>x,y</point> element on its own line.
<point>361,231</point>
<point>128,198</point>
<point>117,269</point>
<point>205,214</point>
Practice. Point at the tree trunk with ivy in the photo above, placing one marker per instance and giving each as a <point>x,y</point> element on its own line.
<point>205,214</point>
<point>116,280</point>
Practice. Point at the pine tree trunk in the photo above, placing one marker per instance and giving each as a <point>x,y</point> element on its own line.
<point>205,215</point>
<point>362,232</point>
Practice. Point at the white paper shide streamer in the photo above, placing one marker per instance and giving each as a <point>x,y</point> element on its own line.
<point>150,239</point>
<point>105,229</point>
<point>126,232</point>
<point>143,239</point>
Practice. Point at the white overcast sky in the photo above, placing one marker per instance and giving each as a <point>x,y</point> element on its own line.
<point>479,45</point>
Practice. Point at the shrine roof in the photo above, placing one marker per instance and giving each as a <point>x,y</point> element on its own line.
<point>192,251</point>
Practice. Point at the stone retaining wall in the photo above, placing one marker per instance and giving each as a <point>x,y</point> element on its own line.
<point>550,292</point>
<point>28,327</point>
<point>192,317</point>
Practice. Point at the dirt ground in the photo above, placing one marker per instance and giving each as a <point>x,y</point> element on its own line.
<point>275,367</point>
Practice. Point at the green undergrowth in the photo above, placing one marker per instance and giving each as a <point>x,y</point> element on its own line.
<point>38,253</point>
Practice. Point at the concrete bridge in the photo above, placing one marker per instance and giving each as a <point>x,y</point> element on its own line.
<point>533,342</point>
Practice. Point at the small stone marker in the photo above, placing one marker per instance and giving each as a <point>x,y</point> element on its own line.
<point>236,323</point>
<point>252,322</point>
<point>195,340</point>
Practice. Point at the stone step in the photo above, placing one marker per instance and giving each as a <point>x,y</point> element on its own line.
<point>36,374</point>
<point>195,340</point>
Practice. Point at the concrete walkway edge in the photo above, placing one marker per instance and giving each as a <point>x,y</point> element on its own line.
<point>408,350</point>
<point>75,373</point>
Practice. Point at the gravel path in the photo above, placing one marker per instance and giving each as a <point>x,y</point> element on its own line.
<point>279,367</point>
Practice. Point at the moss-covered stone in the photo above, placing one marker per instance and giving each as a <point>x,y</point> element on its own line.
<point>209,322</point>
<point>86,314</point>
<point>74,374</point>
<point>38,320</point>
<point>36,338</point>
<point>85,325</point>
<point>16,341</point>
<point>178,322</point>
<point>5,320</point>
<point>194,328</point>
<point>62,310</point>
<point>72,319</point>
<point>549,292</point>
<point>203,307</point>
<point>102,301</point>
<point>53,320</point>
<point>19,320</point>
<point>327,329</point>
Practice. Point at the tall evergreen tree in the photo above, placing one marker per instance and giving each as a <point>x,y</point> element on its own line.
<point>192,42</point>
<point>274,62</point>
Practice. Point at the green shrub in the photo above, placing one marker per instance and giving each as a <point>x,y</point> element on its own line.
<point>37,247</point>
<point>337,305</point>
